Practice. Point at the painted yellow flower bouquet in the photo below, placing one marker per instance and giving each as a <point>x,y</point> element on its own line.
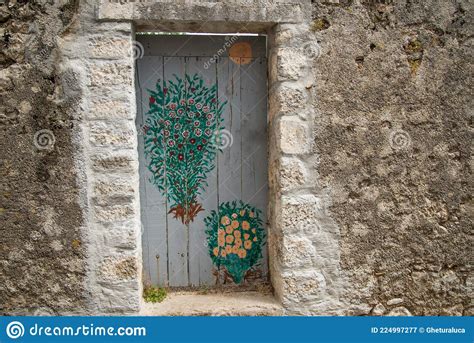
<point>235,238</point>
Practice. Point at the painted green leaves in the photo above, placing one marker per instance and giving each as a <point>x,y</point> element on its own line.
<point>178,134</point>
<point>235,238</point>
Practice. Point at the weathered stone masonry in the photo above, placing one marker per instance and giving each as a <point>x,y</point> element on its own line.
<point>363,222</point>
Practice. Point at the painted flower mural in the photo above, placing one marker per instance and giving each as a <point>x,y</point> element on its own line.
<point>235,238</point>
<point>183,116</point>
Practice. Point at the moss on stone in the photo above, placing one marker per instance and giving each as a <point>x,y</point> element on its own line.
<point>414,65</point>
<point>320,24</point>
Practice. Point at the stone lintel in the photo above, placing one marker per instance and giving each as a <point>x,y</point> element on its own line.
<point>242,11</point>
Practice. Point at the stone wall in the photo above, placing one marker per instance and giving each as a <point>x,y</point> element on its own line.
<point>41,240</point>
<point>101,55</point>
<point>393,135</point>
<point>70,240</point>
<point>369,161</point>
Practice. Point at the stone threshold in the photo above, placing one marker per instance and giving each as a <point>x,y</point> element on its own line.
<point>216,304</point>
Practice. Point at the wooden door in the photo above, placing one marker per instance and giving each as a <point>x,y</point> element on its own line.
<point>202,108</point>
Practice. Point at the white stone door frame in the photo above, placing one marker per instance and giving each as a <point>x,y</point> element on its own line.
<point>303,241</point>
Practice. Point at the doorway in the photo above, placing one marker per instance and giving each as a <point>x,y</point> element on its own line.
<point>202,121</point>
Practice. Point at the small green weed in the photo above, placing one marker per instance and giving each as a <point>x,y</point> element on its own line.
<point>154,294</point>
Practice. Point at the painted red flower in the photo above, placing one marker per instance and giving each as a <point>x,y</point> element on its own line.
<point>191,101</point>
<point>193,90</point>
<point>204,141</point>
<point>180,146</point>
<point>180,157</point>
<point>165,90</point>
<point>199,147</point>
<point>192,140</point>
<point>173,106</point>
<point>152,100</point>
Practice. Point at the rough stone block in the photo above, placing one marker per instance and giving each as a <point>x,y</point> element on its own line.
<point>378,310</point>
<point>294,136</point>
<point>114,213</point>
<point>292,173</point>
<point>118,268</point>
<point>109,74</point>
<point>288,64</point>
<point>114,191</point>
<point>301,286</point>
<point>119,300</point>
<point>295,252</point>
<point>114,188</point>
<point>255,11</point>
<point>300,213</point>
<point>290,34</point>
<point>394,301</point>
<point>121,134</point>
<point>121,237</point>
<point>114,162</point>
<point>111,109</point>
<point>110,47</point>
<point>287,100</point>
<point>399,312</point>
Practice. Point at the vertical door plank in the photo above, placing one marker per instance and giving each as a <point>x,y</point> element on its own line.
<point>200,261</point>
<point>152,202</point>
<point>177,231</point>
<point>254,139</point>
<point>230,160</point>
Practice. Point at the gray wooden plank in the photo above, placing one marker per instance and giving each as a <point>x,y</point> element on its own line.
<point>254,141</point>
<point>153,204</point>
<point>230,160</point>
<point>200,261</point>
<point>177,231</point>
